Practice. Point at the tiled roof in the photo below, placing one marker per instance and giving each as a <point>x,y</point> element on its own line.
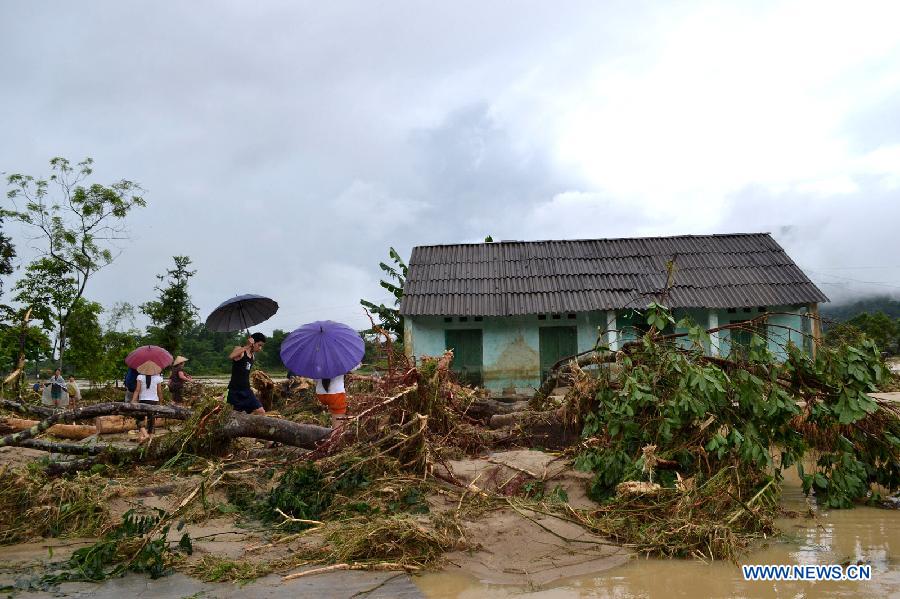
<point>536,277</point>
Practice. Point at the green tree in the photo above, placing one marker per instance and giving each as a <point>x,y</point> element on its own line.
<point>208,350</point>
<point>173,313</point>
<point>50,289</point>
<point>119,338</point>
<point>80,225</point>
<point>390,318</point>
<point>37,345</point>
<point>270,358</point>
<point>7,253</point>
<point>120,314</point>
<point>116,345</point>
<point>884,330</point>
<point>86,350</point>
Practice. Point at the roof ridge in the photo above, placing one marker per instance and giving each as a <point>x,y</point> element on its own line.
<point>524,241</point>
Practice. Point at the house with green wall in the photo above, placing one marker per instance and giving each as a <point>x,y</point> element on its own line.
<point>510,310</point>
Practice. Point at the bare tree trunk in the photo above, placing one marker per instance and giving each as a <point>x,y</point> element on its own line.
<point>286,432</point>
<point>62,344</point>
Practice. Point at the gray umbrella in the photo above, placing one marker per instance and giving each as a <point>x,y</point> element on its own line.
<point>241,312</point>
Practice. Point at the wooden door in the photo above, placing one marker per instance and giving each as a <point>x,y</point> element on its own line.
<point>556,343</point>
<point>467,354</point>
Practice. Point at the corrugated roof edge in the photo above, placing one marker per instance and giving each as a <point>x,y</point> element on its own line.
<point>510,242</point>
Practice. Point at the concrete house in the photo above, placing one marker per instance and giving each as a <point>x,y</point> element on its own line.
<point>510,310</point>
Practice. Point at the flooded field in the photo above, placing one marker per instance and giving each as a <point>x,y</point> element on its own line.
<point>867,535</point>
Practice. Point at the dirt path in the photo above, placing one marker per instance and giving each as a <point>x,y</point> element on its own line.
<point>522,547</point>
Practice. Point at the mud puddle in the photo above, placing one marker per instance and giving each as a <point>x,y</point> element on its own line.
<point>864,534</point>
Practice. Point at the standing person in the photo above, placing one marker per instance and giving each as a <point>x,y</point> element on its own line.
<point>331,392</point>
<point>178,378</point>
<point>74,392</point>
<point>239,394</point>
<point>148,391</point>
<point>130,383</point>
<point>58,395</point>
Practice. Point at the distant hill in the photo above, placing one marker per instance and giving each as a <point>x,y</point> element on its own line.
<point>843,312</point>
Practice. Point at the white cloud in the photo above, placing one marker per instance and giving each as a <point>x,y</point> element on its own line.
<point>731,97</point>
<point>368,207</point>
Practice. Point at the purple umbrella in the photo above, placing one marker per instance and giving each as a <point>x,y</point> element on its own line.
<point>322,349</point>
<point>149,359</point>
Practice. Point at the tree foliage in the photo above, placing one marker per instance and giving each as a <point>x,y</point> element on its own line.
<point>877,303</point>
<point>270,357</point>
<point>879,327</point>
<point>208,350</point>
<point>78,223</point>
<point>49,288</point>
<point>37,345</point>
<point>7,254</point>
<point>705,415</point>
<point>389,317</point>
<point>172,313</point>
<point>86,355</point>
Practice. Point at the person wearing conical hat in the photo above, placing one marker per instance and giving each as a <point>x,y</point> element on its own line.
<point>178,378</point>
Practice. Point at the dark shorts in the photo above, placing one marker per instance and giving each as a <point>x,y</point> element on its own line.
<point>175,390</point>
<point>242,400</point>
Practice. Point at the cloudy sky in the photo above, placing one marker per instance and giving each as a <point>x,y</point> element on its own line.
<point>284,146</point>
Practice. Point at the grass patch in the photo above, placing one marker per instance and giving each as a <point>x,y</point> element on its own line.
<point>35,506</point>
<point>400,539</point>
<point>215,568</point>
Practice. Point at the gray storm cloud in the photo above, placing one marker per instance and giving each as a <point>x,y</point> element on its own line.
<point>285,146</point>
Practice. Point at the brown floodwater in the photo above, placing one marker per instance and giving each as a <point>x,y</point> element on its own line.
<point>864,534</point>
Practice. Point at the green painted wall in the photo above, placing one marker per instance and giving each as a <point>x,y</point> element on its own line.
<point>785,323</point>
<point>511,345</point>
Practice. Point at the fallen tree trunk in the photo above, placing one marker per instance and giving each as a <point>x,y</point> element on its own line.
<point>65,448</point>
<point>484,408</point>
<point>109,425</point>
<point>236,425</point>
<point>75,432</point>
<point>266,428</point>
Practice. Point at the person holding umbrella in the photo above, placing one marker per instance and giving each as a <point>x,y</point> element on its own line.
<point>236,314</point>
<point>148,391</point>
<point>325,351</point>
<point>148,361</point>
<point>240,395</point>
<point>331,393</point>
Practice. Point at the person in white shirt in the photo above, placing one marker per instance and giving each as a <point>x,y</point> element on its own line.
<point>148,391</point>
<point>332,393</point>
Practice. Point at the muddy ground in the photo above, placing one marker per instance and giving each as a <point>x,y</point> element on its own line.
<point>512,547</point>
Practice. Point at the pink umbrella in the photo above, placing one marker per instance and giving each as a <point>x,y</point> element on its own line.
<point>148,359</point>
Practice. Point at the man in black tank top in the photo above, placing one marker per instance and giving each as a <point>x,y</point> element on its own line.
<point>239,394</point>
